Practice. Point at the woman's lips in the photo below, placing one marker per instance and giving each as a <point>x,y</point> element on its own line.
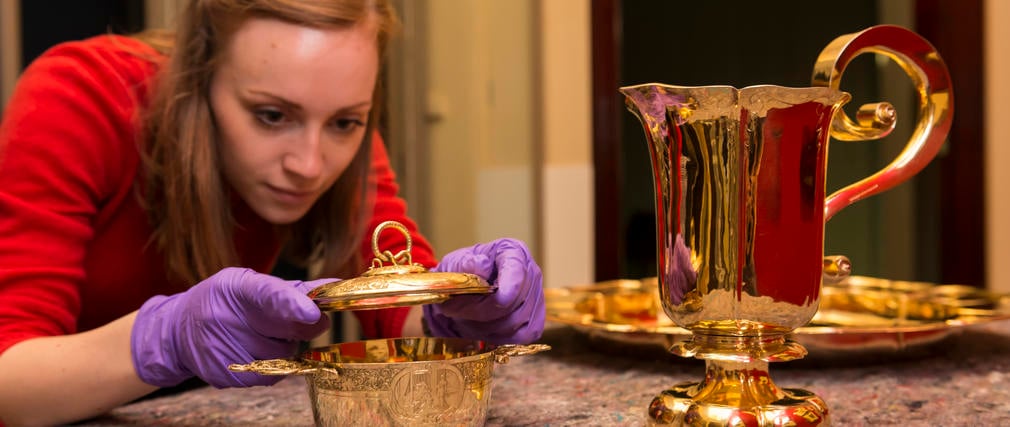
<point>290,196</point>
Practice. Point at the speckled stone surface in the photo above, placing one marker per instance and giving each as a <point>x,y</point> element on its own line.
<point>964,380</point>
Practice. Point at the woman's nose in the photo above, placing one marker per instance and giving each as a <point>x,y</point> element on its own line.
<point>305,158</point>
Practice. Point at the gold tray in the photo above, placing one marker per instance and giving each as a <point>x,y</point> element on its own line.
<point>858,316</point>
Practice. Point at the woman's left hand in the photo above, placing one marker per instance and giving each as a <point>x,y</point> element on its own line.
<point>512,314</point>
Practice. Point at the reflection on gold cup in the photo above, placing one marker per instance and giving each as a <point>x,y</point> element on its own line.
<point>740,201</point>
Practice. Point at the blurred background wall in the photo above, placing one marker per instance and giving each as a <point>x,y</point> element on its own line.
<point>494,135</point>
<point>493,130</point>
<point>997,135</point>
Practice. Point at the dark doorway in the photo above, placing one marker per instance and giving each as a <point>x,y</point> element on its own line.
<point>45,23</point>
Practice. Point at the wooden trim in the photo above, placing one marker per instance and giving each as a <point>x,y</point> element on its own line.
<point>606,137</point>
<point>10,48</point>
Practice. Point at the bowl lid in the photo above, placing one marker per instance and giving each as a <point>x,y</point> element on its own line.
<point>400,283</point>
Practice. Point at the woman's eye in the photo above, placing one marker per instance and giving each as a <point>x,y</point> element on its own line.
<point>270,117</point>
<point>347,124</point>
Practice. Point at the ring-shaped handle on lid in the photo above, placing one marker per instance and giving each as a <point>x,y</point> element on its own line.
<point>927,70</point>
<point>401,258</point>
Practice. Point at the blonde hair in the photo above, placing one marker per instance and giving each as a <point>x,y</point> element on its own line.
<point>183,192</point>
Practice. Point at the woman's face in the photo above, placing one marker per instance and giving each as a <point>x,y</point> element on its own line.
<point>291,104</point>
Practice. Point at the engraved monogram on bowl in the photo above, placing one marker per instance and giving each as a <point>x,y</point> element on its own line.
<point>426,393</point>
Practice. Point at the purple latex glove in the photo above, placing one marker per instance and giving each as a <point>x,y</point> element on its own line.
<point>235,316</point>
<point>512,314</point>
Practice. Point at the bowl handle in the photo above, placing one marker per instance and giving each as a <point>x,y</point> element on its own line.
<point>504,352</point>
<point>280,367</point>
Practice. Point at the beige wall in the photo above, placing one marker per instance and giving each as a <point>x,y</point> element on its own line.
<point>567,207</point>
<point>566,74</point>
<point>456,109</point>
<point>997,141</point>
<point>508,129</point>
<point>480,130</point>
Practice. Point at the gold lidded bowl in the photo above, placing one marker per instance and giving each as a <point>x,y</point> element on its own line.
<point>413,381</point>
<point>398,381</point>
<point>394,280</point>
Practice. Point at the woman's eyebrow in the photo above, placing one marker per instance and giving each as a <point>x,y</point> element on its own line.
<point>295,106</point>
<point>276,98</point>
<point>353,107</point>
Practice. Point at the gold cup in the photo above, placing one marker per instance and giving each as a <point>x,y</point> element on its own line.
<point>740,205</point>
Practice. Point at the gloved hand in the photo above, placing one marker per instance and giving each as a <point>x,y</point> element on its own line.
<point>235,316</point>
<point>512,314</point>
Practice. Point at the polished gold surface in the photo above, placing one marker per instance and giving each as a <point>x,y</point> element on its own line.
<point>400,283</point>
<point>739,194</point>
<point>741,205</point>
<point>737,394</point>
<point>398,382</point>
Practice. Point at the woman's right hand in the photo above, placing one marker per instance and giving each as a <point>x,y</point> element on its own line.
<point>514,313</point>
<point>235,316</point>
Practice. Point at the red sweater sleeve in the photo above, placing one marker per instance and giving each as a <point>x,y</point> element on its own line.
<point>65,145</point>
<point>389,206</point>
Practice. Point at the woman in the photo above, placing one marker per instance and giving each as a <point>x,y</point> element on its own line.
<point>256,133</point>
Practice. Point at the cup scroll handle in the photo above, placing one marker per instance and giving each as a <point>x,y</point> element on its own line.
<point>928,72</point>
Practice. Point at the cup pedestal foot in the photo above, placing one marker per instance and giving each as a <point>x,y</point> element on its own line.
<point>736,394</point>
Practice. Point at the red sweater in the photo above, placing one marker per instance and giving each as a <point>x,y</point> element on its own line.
<point>74,241</point>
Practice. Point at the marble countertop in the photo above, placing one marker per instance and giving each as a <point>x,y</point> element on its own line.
<point>962,380</point>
